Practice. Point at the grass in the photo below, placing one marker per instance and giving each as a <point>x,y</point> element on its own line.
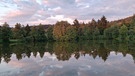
<point>11,41</point>
<point>14,40</point>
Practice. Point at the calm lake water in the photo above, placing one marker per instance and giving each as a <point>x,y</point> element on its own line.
<point>90,58</point>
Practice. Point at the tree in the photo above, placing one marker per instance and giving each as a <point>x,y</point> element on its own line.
<point>76,23</point>
<point>131,29</point>
<point>115,31</point>
<point>59,30</point>
<point>96,34</point>
<point>102,24</point>
<point>22,32</point>
<point>34,33</point>
<point>17,31</point>
<point>133,22</point>
<point>112,32</point>
<point>71,33</point>
<point>41,33</point>
<point>93,23</point>
<point>87,33</point>
<point>108,33</point>
<point>0,33</point>
<point>123,32</point>
<point>38,33</point>
<point>27,29</point>
<point>50,33</point>
<point>131,33</point>
<point>6,32</point>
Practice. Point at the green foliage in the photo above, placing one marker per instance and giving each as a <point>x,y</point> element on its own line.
<point>50,34</point>
<point>108,33</point>
<point>96,34</point>
<point>27,29</point>
<point>123,32</point>
<point>71,33</point>
<point>6,32</point>
<point>115,31</point>
<point>17,31</point>
<point>86,33</point>
<point>34,33</point>
<point>0,33</point>
<point>131,33</point>
<point>41,34</point>
<point>111,32</point>
<point>38,34</point>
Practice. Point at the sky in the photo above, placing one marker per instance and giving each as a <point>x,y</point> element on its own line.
<point>34,12</point>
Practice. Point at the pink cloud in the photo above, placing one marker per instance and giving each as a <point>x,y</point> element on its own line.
<point>14,14</point>
<point>17,64</point>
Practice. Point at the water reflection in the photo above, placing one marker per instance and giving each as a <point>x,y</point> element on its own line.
<point>104,58</point>
<point>64,50</point>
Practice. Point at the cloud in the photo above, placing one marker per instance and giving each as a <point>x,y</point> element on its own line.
<point>60,18</point>
<point>42,74</point>
<point>54,9</point>
<point>24,12</point>
<point>51,11</point>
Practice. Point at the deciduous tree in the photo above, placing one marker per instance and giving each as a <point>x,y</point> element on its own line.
<point>6,32</point>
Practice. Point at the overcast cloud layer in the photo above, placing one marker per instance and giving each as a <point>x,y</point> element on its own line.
<point>50,11</point>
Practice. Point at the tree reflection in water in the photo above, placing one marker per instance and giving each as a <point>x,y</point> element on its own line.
<point>64,50</point>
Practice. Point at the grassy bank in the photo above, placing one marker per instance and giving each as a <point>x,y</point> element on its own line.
<point>12,41</point>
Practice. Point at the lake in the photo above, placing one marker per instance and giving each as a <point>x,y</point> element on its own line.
<point>87,58</point>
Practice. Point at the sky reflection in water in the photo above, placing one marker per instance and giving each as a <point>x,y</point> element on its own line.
<point>89,63</point>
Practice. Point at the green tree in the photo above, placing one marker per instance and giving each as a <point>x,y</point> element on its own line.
<point>38,34</point>
<point>6,32</point>
<point>0,33</point>
<point>22,32</point>
<point>102,24</point>
<point>27,29</point>
<point>71,33</point>
<point>108,33</point>
<point>50,33</point>
<point>96,34</point>
<point>26,33</point>
<point>17,31</point>
<point>87,33</point>
<point>112,32</point>
<point>34,33</point>
<point>131,28</point>
<point>123,32</point>
<point>115,31</point>
<point>131,33</point>
<point>41,33</point>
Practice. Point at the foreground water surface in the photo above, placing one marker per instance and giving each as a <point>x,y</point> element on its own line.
<point>90,58</point>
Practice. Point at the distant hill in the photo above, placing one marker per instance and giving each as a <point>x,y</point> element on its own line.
<point>45,26</point>
<point>123,21</point>
<point>119,22</point>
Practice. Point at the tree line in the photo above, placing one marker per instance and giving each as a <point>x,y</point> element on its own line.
<point>64,31</point>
